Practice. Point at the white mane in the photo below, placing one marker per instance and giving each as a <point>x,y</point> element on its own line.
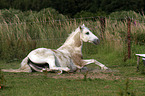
<point>73,34</point>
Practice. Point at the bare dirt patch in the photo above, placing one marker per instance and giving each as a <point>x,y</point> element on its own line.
<point>92,74</point>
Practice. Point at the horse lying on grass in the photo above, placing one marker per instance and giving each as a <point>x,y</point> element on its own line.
<point>67,58</point>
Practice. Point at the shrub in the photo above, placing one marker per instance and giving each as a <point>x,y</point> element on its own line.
<point>2,80</point>
<point>7,15</point>
<point>14,16</point>
<point>125,14</point>
<point>89,14</point>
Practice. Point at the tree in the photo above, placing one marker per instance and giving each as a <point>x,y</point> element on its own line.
<point>72,7</point>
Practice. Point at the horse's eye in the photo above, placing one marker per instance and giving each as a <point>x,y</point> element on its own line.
<point>87,33</point>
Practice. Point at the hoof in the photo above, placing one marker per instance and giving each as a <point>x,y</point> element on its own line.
<point>67,70</point>
<point>59,72</point>
<point>104,68</point>
<point>107,69</point>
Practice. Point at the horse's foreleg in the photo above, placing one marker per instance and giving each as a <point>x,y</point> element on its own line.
<point>89,61</point>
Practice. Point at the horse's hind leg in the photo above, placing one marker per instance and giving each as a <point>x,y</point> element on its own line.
<point>52,66</point>
<point>24,65</point>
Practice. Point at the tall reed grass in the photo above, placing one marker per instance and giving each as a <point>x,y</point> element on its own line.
<point>18,38</point>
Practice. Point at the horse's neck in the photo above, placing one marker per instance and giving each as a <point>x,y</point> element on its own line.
<point>73,47</point>
<point>73,44</point>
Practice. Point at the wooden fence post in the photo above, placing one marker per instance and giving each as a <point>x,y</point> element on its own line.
<point>102,22</point>
<point>128,37</point>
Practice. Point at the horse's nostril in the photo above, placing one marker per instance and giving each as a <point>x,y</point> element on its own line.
<point>96,41</point>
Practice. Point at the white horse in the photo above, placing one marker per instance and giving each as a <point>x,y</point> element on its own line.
<point>67,58</point>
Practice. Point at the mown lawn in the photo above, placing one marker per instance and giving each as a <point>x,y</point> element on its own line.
<point>100,83</point>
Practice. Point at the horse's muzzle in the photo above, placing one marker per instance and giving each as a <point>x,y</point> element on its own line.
<point>96,41</point>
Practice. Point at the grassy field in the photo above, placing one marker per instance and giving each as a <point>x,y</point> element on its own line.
<point>95,83</point>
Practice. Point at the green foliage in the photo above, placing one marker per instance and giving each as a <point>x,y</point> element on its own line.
<point>15,16</point>
<point>142,68</point>
<point>126,14</point>
<point>85,76</point>
<point>119,5</point>
<point>72,7</point>
<point>7,15</point>
<point>19,29</point>
<point>52,13</point>
<point>2,80</point>
<point>44,15</point>
<point>140,37</point>
<point>126,91</point>
<point>89,14</point>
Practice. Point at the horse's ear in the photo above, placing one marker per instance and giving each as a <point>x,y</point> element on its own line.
<point>82,26</point>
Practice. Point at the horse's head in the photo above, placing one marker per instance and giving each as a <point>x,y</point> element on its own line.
<point>87,36</point>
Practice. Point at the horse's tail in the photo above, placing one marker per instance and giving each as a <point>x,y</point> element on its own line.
<point>14,70</point>
<point>24,67</point>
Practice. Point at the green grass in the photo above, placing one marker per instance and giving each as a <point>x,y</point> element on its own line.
<point>101,83</point>
<point>38,85</point>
